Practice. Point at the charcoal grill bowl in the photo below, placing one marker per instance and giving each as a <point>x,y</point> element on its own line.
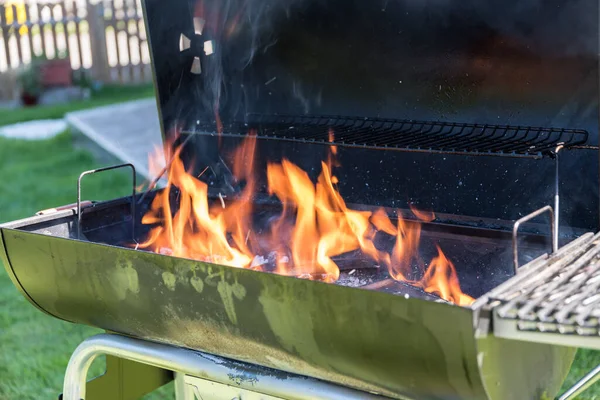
<point>371,341</point>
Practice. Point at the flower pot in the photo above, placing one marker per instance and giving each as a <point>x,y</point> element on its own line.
<point>29,100</point>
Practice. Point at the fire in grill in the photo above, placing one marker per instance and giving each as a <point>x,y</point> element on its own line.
<point>379,252</point>
<point>314,227</point>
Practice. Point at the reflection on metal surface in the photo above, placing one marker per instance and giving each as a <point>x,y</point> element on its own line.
<point>196,67</point>
<point>199,25</point>
<point>208,47</point>
<point>184,42</point>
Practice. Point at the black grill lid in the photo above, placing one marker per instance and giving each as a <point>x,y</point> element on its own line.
<point>496,63</point>
<point>512,78</point>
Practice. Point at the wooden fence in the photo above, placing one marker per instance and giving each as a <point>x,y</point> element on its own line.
<point>106,38</point>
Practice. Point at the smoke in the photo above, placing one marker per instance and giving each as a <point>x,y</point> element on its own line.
<point>298,95</point>
<point>239,29</point>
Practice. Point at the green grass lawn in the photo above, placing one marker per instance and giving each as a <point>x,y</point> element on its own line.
<point>35,348</point>
<point>107,95</point>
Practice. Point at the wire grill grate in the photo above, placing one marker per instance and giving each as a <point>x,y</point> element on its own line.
<point>561,295</point>
<point>409,135</point>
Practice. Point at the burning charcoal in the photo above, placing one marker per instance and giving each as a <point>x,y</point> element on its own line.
<point>269,262</point>
<point>361,276</point>
<point>258,261</point>
<point>354,260</point>
<point>273,258</point>
<point>353,281</point>
<point>317,277</point>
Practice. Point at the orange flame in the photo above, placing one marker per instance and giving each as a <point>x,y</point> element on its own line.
<point>441,279</point>
<point>314,227</point>
<point>332,154</point>
<point>424,216</point>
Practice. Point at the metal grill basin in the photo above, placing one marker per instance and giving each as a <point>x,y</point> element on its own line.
<point>363,339</point>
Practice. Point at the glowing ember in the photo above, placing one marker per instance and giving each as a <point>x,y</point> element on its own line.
<point>314,227</point>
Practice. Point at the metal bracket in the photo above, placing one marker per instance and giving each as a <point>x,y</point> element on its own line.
<point>582,385</point>
<point>556,194</point>
<point>526,218</point>
<point>63,208</point>
<point>95,171</point>
<point>126,380</point>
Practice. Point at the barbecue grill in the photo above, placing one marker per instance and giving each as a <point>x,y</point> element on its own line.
<point>457,107</point>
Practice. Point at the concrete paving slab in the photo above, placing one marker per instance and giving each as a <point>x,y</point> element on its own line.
<point>129,131</point>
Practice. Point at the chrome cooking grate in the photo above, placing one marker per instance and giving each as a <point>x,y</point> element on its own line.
<point>560,294</point>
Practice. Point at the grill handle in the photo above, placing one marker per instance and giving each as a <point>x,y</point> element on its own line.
<point>95,171</point>
<point>72,206</point>
<point>526,218</point>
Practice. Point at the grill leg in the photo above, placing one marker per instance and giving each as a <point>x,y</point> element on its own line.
<point>582,385</point>
<point>216,372</point>
<point>123,380</point>
<point>183,391</point>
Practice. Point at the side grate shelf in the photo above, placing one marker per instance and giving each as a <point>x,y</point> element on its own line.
<point>557,296</point>
<point>409,135</point>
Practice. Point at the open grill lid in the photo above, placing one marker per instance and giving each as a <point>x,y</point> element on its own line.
<point>497,63</point>
<point>466,78</point>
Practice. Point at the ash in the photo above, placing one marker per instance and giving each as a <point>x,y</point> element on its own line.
<point>353,281</point>
<point>269,262</point>
<point>357,279</point>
